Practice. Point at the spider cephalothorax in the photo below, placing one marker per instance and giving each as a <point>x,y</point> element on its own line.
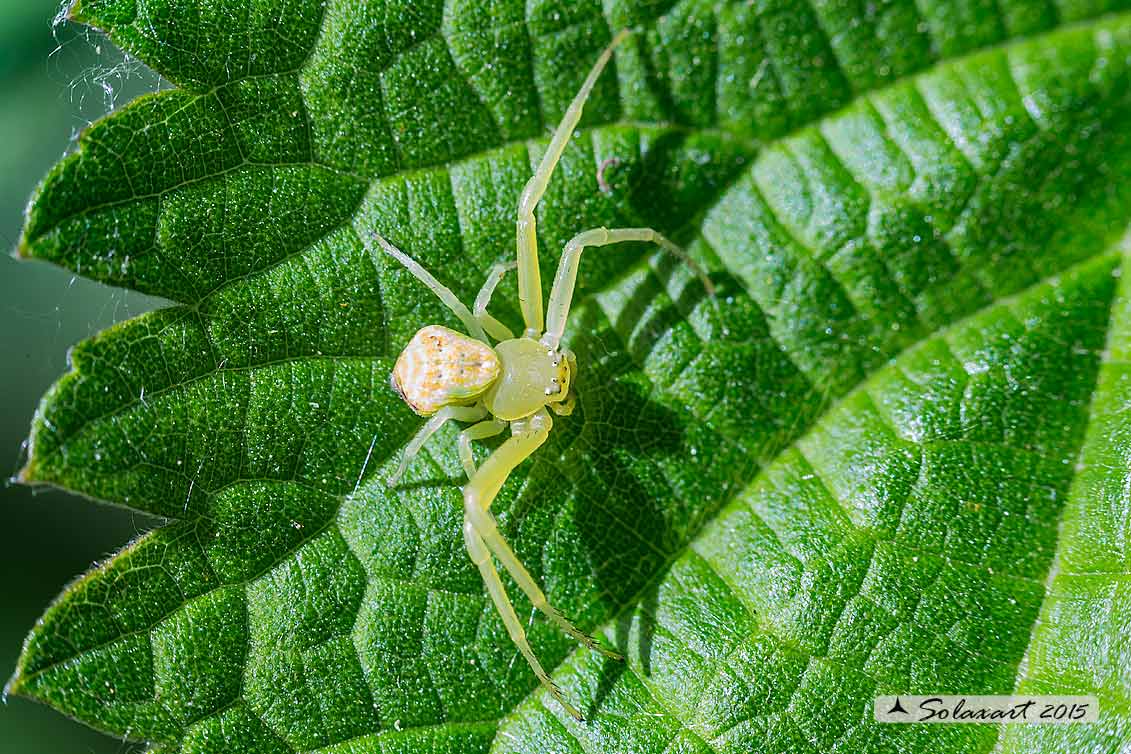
<point>532,376</point>
<point>445,375</point>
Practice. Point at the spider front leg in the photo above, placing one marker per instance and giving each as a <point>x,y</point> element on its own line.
<point>529,281</point>
<point>481,534</point>
<point>566,279</point>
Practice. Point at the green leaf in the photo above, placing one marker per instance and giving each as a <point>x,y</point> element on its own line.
<point>889,457</point>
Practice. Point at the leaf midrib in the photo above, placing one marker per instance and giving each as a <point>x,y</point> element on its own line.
<point>1123,253</point>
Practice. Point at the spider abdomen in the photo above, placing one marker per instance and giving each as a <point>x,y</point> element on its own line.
<point>441,367</point>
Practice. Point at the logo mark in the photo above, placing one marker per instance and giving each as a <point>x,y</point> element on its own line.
<point>897,707</point>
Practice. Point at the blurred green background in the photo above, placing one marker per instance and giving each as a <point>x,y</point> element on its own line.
<point>54,79</point>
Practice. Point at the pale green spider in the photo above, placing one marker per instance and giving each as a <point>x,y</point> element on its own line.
<point>447,375</point>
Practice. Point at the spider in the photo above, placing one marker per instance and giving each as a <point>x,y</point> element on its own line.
<point>445,375</point>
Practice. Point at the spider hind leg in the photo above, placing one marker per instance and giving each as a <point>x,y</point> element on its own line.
<point>442,292</point>
<point>437,420</point>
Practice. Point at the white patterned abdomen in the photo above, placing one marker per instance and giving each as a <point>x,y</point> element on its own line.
<point>441,367</point>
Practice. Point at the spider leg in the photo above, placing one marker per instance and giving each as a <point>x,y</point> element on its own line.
<point>437,420</point>
<point>494,327</point>
<point>442,292</point>
<point>482,559</point>
<point>566,278</point>
<point>482,537</point>
<point>480,525</point>
<point>529,282</point>
<point>480,431</point>
<point>485,526</point>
